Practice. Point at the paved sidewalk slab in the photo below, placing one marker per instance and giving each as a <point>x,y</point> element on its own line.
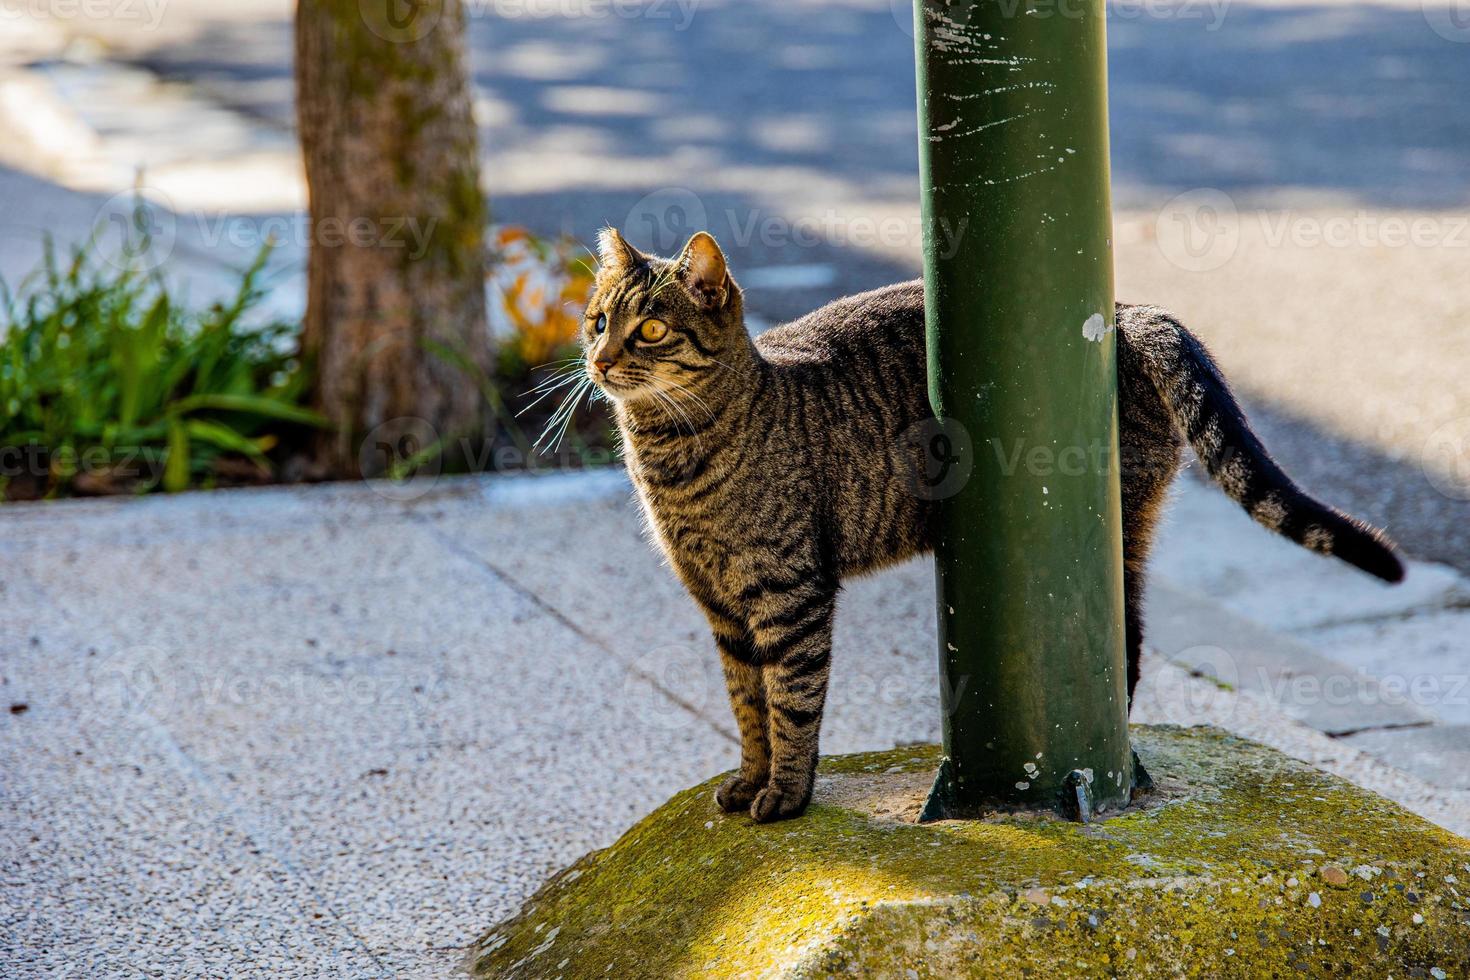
<point>608,579</point>
<point>1203,636</point>
<point>1440,754</point>
<point>374,738</point>
<point>1332,647</point>
<point>1210,546</point>
<point>1425,656</point>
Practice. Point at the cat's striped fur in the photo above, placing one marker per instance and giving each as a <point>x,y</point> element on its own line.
<point>772,469</point>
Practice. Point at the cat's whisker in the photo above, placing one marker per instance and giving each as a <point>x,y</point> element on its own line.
<point>566,423</point>
<point>674,386</point>
<point>559,378</point>
<point>569,405</point>
<point>667,399</point>
<point>674,406</point>
<point>539,399</point>
<point>558,369</point>
<point>560,362</point>
<point>670,410</point>
<point>669,394</point>
<point>561,432</point>
<point>563,413</point>
<point>592,253</point>
<point>549,389</point>
<point>556,380</point>
<point>727,367</point>
<point>562,373</point>
<point>664,280</point>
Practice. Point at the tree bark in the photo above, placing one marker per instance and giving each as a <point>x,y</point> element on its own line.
<point>396,270</point>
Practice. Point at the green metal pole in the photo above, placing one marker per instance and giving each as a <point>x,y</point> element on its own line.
<point>1013,140</point>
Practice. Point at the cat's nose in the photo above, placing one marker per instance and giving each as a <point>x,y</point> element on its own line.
<point>602,364</point>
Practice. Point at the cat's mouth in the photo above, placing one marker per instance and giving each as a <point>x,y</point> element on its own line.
<point>611,385</point>
<point>622,384</point>
<point>617,381</point>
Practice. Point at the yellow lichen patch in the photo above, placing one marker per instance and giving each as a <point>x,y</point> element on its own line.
<point>816,902</point>
<point>1009,837</point>
<point>1220,874</point>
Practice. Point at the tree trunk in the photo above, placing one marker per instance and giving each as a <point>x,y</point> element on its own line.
<point>395,311</point>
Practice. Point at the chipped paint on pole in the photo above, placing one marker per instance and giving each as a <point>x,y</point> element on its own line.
<point>1013,148</point>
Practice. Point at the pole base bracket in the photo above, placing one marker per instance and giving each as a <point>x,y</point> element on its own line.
<point>1076,800</point>
<point>1142,781</point>
<point>940,804</point>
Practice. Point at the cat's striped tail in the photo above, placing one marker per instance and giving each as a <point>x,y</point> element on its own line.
<point>1205,411</point>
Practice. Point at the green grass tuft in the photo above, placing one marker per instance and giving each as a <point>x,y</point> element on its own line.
<point>109,383</point>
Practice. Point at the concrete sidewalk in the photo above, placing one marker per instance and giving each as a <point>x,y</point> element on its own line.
<point>322,732</point>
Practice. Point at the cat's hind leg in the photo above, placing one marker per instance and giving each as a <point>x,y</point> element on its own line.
<point>1150,452</point>
<point>1133,622</point>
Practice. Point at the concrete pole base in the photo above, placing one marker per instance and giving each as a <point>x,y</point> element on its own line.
<point>1241,862</point>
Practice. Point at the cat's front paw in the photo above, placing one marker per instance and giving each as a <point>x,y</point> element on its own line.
<point>778,803</point>
<point>736,794</point>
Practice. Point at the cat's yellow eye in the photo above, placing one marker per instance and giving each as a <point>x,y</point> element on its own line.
<point>652,331</point>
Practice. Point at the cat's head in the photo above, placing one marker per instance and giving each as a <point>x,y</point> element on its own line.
<point>657,325</point>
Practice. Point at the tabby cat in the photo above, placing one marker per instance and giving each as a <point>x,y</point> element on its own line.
<point>765,470</point>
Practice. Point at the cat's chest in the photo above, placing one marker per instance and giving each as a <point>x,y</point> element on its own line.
<point>692,515</point>
<point>682,531</point>
<point>697,540</point>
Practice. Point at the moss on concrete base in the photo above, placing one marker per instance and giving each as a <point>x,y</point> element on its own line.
<point>1243,863</point>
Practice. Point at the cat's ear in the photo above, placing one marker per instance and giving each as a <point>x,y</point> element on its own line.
<point>614,252</point>
<point>703,270</point>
